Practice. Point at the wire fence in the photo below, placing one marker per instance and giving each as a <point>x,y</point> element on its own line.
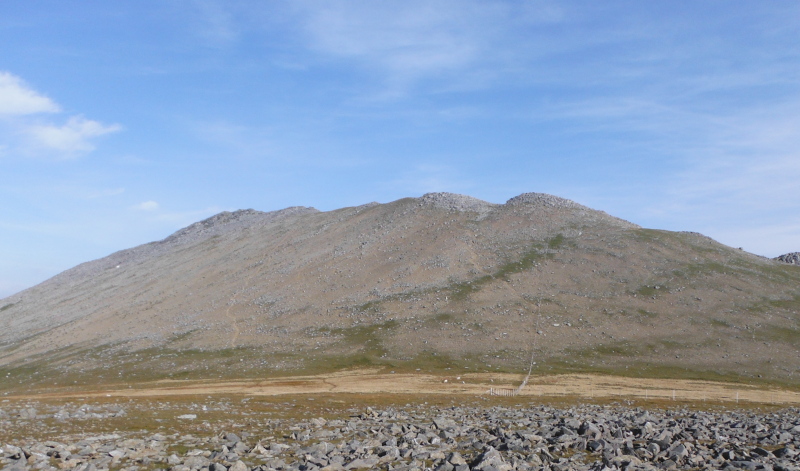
<point>709,394</point>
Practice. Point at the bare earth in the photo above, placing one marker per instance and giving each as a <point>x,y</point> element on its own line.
<point>577,386</point>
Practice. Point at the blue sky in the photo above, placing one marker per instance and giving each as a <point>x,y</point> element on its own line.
<point>122,121</point>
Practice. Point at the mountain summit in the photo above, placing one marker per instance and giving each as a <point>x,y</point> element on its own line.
<point>436,282</point>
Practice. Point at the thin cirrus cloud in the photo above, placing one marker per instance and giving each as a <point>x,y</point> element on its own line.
<point>74,137</point>
<point>147,206</point>
<point>29,132</point>
<point>215,23</point>
<point>404,41</point>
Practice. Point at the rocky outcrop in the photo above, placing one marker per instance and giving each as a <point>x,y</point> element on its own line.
<point>543,199</point>
<point>455,202</point>
<point>792,258</point>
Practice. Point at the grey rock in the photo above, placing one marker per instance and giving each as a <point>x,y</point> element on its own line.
<point>678,453</point>
<point>238,466</point>
<point>792,258</point>
<point>197,462</point>
<point>580,438</point>
<point>748,465</point>
<point>543,199</point>
<point>362,463</point>
<point>455,202</point>
<point>456,459</point>
<point>761,452</point>
<point>445,466</point>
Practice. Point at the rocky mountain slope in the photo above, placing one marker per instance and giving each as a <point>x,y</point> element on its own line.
<point>437,282</point>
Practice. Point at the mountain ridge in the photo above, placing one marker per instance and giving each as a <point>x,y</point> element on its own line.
<point>440,281</point>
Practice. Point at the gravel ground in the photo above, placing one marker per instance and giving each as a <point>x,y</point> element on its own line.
<point>241,436</point>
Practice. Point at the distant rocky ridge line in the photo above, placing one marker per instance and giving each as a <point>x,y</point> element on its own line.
<point>454,201</point>
<point>218,224</point>
<point>792,258</point>
<point>545,200</point>
<point>457,202</point>
<point>240,217</point>
<point>230,221</point>
<point>441,200</point>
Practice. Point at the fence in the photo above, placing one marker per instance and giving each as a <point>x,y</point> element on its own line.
<point>686,391</point>
<point>505,392</point>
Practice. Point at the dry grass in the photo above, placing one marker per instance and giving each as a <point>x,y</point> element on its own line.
<point>377,382</point>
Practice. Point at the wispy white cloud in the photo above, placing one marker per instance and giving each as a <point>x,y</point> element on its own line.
<point>731,169</point>
<point>409,41</point>
<point>215,22</point>
<point>393,35</point>
<point>744,165</point>
<point>72,138</point>
<point>719,130</point>
<point>147,206</point>
<point>236,141</point>
<point>17,98</point>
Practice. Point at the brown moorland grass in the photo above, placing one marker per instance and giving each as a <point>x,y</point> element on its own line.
<point>578,387</point>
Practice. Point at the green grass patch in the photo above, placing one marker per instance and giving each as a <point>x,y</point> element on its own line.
<point>651,290</point>
<point>617,349</point>
<point>674,240</point>
<point>778,272</point>
<point>461,291</point>
<point>705,268</point>
<point>779,334</point>
<point>182,336</point>
<point>369,336</point>
<point>766,304</point>
<point>647,314</point>
<point>7,306</point>
<point>556,242</point>
<point>373,305</point>
<point>444,317</point>
<point>793,303</point>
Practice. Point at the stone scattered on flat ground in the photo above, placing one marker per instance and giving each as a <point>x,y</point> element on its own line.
<point>239,437</point>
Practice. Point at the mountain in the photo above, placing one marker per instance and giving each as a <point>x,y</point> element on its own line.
<point>430,283</point>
